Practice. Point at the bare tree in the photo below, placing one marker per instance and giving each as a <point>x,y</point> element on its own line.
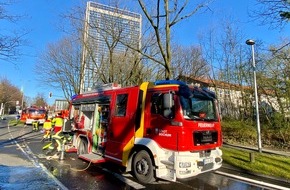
<point>127,69</point>
<point>10,41</point>
<point>274,80</point>
<point>9,94</point>
<point>40,100</point>
<point>106,50</point>
<point>59,66</point>
<point>273,12</point>
<point>164,16</point>
<point>189,61</point>
<point>230,67</point>
<point>123,67</point>
<point>103,57</point>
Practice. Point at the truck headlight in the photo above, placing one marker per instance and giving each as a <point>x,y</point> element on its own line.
<point>184,164</point>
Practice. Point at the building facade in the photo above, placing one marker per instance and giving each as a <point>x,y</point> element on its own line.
<point>238,101</point>
<point>108,30</point>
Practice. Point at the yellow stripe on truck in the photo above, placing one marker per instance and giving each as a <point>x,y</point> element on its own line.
<point>139,133</point>
<point>143,87</point>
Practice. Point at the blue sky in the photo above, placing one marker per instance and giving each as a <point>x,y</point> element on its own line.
<point>41,20</point>
<point>43,17</point>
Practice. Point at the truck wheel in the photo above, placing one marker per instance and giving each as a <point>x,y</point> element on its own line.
<point>83,147</point>
<point>143,167</point>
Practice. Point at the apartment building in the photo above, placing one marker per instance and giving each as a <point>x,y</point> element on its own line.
<point>104,26</point>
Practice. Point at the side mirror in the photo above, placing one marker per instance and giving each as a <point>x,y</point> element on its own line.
<point>168,104</point>
<point>168,101</point>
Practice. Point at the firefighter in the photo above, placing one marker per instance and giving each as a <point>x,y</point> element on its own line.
<point>57,144</point>
<point>35,125</point>
<point>58,138</point>
<point>58,123</point>
<point>54,147</point>
<point>47,127</point>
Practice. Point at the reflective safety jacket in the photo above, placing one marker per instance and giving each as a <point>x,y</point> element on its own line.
<point>47,125</point>
<point>58,121</point>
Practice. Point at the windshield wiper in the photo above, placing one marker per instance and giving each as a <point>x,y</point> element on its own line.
<point>207,119</point>
<point>194,117</point>
<point>191,117</point>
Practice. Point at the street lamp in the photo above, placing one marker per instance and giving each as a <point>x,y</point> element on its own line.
<point>252,43</point>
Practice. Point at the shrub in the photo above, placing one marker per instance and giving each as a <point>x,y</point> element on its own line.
<point>245,133</point>
<point>238,131</point>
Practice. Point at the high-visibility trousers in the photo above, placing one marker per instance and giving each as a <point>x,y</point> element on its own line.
<point>57,128</point>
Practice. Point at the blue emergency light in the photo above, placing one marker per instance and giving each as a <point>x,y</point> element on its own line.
<point>166,82</point>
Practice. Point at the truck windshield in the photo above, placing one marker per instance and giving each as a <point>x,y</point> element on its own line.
<point>36,111</point>
<point>198,109</point>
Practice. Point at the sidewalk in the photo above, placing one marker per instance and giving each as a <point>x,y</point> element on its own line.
<point>18,168</point>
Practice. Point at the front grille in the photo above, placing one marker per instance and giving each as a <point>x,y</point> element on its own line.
<point>205,137</point>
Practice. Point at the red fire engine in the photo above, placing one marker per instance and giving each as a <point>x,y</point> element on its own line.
<point>33,113</point>
<point>165,129</point>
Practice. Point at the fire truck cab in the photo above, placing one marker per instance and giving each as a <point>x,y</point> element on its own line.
<point>33,113</point>
<point>165,129</point>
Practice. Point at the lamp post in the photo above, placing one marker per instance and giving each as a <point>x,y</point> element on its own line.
<point>252,43</point>
<point>22,92</point>
<point>22,98</point>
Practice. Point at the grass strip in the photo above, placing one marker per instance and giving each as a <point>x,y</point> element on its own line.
<point>15,122</point>
<point>266,164</point>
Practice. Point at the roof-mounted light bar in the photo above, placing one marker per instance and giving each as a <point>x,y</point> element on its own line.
<point>167,82</point>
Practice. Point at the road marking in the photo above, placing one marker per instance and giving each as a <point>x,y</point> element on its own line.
<point>255,182</point>
<point>34,160</point>
<point>29,154</point>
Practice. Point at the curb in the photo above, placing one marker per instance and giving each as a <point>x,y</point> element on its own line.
<point>233,169</point>
<point>252,181</point>
<point>264,150</point>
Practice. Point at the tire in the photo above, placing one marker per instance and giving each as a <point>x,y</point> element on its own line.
<point>83,147</point>
<point>143,167</point>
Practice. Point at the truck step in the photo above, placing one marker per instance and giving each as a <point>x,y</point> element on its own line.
<point>71,150</point>
<point>93,158</point>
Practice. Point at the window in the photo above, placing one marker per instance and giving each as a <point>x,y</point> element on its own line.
<point>156,103</point>
<point>198,109</point>
<point>42,111</point>
<point>121,107</point>
<point>31,111</point>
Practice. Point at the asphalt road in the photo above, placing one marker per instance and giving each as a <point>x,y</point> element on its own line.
<point>17,168</point>
<point>24,166</point>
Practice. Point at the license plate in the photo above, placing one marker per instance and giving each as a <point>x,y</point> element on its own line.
<point>206,138</point>
<point>207,161</point>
